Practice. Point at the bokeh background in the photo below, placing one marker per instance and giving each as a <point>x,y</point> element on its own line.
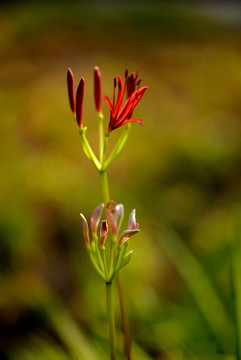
<point>181,171</point>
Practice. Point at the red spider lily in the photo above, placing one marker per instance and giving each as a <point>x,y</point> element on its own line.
<point>120,115</point>
<point>76,102</point>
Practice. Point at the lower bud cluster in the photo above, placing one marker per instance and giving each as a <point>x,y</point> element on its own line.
<point>109,229</point>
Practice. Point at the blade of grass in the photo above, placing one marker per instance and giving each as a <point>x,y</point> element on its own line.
<point>78,345</point>
<point>199,285</point>
<point>235,245</point>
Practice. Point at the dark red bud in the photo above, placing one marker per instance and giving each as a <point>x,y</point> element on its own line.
<point>70,85</point>
<point>79,102</point>
<point>97,89</point>
<point>103,232</point>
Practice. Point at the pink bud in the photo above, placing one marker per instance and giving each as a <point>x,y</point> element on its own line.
<point>114,214</point>
<point>95,218</point>
<point>79,102</point>
<point>70,85</point>
<point>97,89</point>
<point>103,232</point>
<point>85,230</point>
<point>132,224</point>
<point>125,236</point>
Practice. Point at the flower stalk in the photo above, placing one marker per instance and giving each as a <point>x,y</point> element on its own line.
<point>120,115</point>
<point>111,319</point>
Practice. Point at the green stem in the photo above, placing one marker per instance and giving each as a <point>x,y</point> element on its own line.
<point>104,186</point>
<point>124,317</point>
<point>111,320</point>
<point>118,147</point>
<point>88,151</point>
<point>236,282</point>
<point>99,271</point>
<point>101,136</point>
<point>106,199</point>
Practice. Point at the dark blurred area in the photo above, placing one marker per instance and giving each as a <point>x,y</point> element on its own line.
<point>181,171</point>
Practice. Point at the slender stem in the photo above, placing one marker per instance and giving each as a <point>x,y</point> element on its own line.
<point>104,186</point>
<point>124,316</point>
<point>112,254</point>
<point>111,320</point>
<point>118,147</point>
<point>100,272</point>
<point>101,136</point>
<point>105,264</point>
<point>236,284</point>
<point>88,151</point>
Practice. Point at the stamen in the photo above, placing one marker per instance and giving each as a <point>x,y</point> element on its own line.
<point>138,83</point>
<point>114,92</point>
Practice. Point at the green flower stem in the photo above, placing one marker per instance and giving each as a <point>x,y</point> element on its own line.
<point>235,277</point>
<point>124,317</point>
<point>101,136</point>
<point>112,254</point>
<point>99,271</point>
<point>106,198</point>
<point>105,263</point>
<point>104,187</point>
<point>118,147</point>
<point>111,319</point>
<point>87,149</point>
<point>98,253</point>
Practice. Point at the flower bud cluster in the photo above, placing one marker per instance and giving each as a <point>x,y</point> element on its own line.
<point>118,245</point>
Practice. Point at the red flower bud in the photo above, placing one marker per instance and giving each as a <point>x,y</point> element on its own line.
<point>79,102</point>
<point>97,89</point>
<point>103,232</point>
<point>70,85</point>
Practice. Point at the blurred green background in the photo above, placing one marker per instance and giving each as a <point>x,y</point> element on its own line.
<point>181,171</point>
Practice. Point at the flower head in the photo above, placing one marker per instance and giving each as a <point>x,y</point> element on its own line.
<point>122,114</point>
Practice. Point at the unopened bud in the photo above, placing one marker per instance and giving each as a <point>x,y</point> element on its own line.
<point>114,213</point>
<point>125,236</point>
<point>70,85</point>
<point>79,102</point>
<point>85,230</point>
<point>97,89</point>
<point>132,224</point>
<point>103,232</point>
<point>95,218</point>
